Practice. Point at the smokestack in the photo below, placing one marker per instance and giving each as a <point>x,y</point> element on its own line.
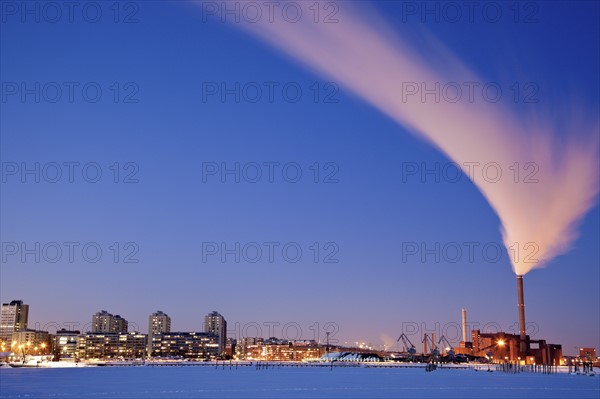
<point>521,305</point>
<point>464,324</point>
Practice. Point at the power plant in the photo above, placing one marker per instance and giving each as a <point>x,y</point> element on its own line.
<point>496,347</point>
<point>501,346</point>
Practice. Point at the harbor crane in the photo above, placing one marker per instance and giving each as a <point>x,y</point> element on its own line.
<point>408,346</point>
<point>428,340</point>
<point>447,346</point>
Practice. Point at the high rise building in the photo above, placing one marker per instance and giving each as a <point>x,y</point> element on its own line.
<point>158,323</point>
<point>13,317</point>
<point>215,324</point>
<point>104,322</point>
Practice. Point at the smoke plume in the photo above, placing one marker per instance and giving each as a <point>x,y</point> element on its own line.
<point>558,164</point>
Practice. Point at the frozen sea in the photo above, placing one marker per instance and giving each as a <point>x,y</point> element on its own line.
<point>248,382</point>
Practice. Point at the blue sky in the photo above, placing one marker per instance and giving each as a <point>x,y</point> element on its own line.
<point>170,133</point>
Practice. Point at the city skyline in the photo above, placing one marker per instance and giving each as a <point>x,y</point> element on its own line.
<point>111,338</point>
<point>180,216</point>
<point>159,322</point>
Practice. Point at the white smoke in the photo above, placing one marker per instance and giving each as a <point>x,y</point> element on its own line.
<point>388,342</point>
<point>539,219</point>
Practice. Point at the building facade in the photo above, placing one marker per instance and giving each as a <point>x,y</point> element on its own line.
<point>308,350</point>
<point>230,348</point>
<point>587,354</point>
<point>273,349</point>
<point>112,346</point>
<point>190,345</point>
<point>215,323</point>
<point>248,348</point>
<point>31,342</point>
<point>65,343</point>
<point>13,317</point>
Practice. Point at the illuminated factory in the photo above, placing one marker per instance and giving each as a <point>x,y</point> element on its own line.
<point>502,347</point>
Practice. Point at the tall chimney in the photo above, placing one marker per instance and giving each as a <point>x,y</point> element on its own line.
<point>521,305</point>
<point>464,324</point>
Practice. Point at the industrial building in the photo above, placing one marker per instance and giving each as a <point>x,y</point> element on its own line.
<point>588,354</point>
<point>502,347</point>
<point>514,348</point>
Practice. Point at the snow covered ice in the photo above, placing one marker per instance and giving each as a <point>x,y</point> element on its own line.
<point>286,382</point>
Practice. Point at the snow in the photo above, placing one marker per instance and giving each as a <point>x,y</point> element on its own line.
<point>287,382</point>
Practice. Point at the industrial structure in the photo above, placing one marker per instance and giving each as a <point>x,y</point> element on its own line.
<point>503,347</point>
<point>109,339</point>
<point>521,305</point>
